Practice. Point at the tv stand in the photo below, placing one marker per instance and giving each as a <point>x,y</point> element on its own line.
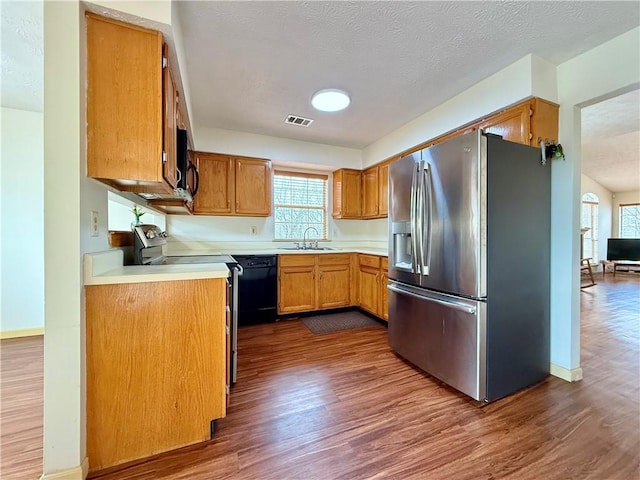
<point>626,264</point>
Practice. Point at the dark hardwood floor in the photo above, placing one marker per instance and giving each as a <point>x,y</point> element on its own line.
<point>343,406</point>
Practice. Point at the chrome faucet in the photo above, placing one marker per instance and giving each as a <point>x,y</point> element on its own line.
<point>304,238</point>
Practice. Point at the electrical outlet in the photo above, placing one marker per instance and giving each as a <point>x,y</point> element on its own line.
<point>253,230</point>
<point>93,226</point>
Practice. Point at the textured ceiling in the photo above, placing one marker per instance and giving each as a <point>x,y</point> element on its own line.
<point>611,142</point>
<point>252,63</point>
<point>22,57</point>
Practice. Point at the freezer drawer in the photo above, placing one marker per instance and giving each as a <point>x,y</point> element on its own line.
<point>441,334</point>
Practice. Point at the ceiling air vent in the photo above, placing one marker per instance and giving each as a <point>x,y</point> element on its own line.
<point>300,121</point>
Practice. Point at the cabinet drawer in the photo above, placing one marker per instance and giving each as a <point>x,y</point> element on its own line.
<point>369,261</point>
<point>296,260</point>
<point>334,259</point>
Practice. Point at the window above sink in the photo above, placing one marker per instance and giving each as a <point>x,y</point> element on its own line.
<point>300,204</point>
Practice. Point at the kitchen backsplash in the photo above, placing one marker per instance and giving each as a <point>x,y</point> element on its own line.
<point>229,229</point>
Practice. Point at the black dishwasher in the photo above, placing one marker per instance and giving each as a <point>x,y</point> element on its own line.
<point>257,289</point>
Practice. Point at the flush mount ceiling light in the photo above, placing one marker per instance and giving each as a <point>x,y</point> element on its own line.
<point>330,100</point>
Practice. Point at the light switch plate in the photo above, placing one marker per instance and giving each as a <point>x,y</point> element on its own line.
<point>93,226</point>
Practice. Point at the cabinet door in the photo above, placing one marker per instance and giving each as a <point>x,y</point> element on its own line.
<point>384,295</point>
<point>370,192</point>
<point>124,101</point>
<point>333,286</point>
<point>253,187</point>
<point>544,122</point>
<point>512,124</point>
<point>216,189</point>
<point>383,189</point>
<point>347,189</point>
<point>169,98</point>
<point>296,289</point>
<point>369,286</point>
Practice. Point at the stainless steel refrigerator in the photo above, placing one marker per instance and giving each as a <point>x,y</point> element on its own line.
<point>469,252</point>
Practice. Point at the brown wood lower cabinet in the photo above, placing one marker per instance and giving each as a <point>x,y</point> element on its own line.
<point>373,279</point>
<point>334,278</point>
<point>156,367</point>
<point>369,285</point>
<point>309,282</point>
<point>296,283</point>
<point>384,293</point>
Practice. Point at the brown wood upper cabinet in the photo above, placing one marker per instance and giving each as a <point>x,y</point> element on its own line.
<point>383,189</point>
<point>131,108</point>
<point>347,193</point>
<point>232,185</point>
<point>375,190</point>
<point>527,122</point>
<point>370,192</point>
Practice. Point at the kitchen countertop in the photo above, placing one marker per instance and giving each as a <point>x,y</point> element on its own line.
<point>104,268</point>
<point>262,249</point>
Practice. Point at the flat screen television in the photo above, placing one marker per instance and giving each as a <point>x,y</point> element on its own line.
<point>623,249</point>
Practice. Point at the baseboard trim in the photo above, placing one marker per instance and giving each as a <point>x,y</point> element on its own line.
<point>76,473</point>
<point>27,332</point>
<point>573,375</point>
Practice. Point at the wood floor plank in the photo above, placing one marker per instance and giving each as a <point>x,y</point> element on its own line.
<point>343,406</point>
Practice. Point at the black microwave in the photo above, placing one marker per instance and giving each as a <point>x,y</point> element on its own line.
<point>185,166</point>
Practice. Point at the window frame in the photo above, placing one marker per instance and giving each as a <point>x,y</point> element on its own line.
<point>621,206</point>
<point>592,235</point>
<point>324,234</point>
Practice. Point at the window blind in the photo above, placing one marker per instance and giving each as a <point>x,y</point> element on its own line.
<point>300,202</point>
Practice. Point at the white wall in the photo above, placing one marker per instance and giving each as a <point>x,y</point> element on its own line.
<point>603,72</point>
<point>621,198</point>
<point>504,88</point>
<point>278,150</point>
<point>605,208</point>
<point>68,198</point>
<point>22,191</point>
<point>120,216</point>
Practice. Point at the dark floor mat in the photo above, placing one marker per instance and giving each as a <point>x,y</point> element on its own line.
<point>334,322</point>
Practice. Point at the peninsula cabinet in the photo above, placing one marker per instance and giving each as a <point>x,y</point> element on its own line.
<point>309,282</point>
<point>347,193</point>
<point>131,108</point>
<point>232,185</point>
<point>156,370</point>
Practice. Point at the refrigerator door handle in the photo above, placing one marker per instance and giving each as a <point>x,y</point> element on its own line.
<point>425,251</point>
<point>453,305</point>
<point>420,219</point>
<point>414,219</point>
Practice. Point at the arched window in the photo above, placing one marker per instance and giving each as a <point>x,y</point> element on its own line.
<point>590,221</point>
